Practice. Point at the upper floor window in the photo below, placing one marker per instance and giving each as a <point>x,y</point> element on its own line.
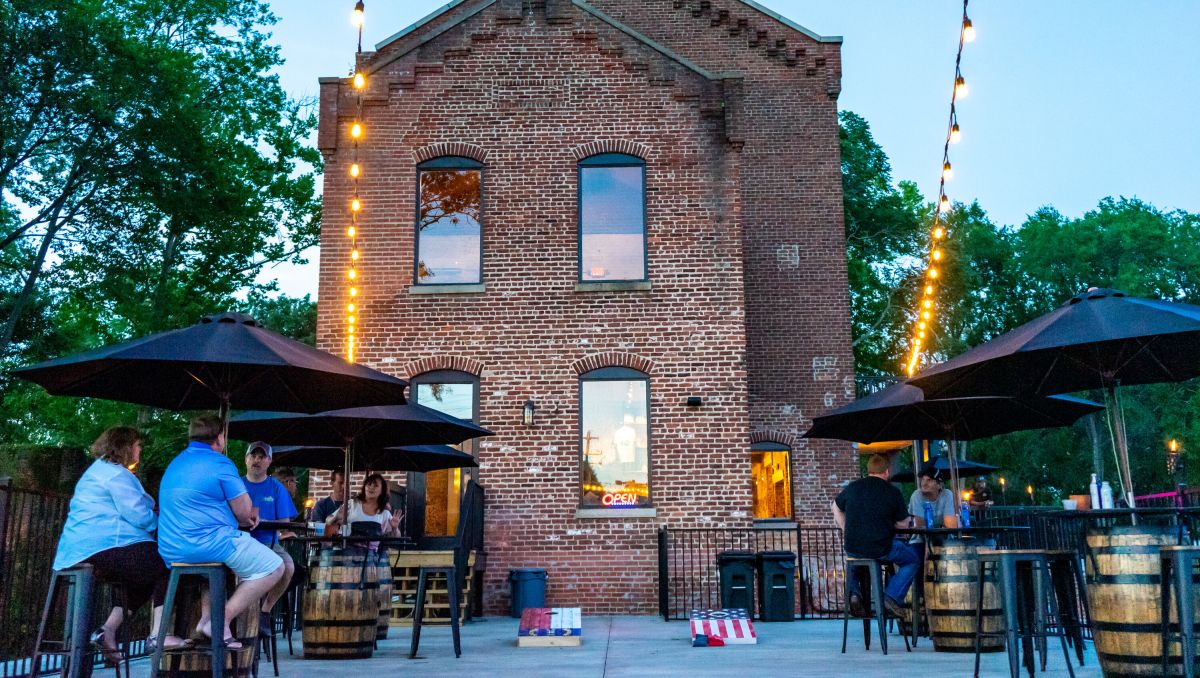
<point>614,432</point>
<point>771,473</point>
<point>612,218</point>
<point>449,213</point>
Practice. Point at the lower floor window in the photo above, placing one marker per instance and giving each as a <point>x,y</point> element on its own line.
<point>772,481</point>
<point>614,440</point>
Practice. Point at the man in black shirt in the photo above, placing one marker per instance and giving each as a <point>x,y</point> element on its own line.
<point>869,510</point>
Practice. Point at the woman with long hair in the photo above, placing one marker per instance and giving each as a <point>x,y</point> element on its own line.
<point>110,526</point>
<point>370,505</point>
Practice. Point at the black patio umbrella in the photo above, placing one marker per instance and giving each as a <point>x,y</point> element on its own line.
<point>224,360</point>
<point>418,458</point>
<point>901,412</point>
<point>365,427</point>
<point>1101,338</point>
<point>943,466</point>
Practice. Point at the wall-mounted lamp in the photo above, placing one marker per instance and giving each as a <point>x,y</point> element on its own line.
<point>694,401</point>
<point>527,412</point>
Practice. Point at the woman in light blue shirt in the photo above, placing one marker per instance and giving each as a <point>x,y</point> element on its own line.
<point>110,526</point>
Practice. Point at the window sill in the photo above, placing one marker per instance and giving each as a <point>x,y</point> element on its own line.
<point>475,288</point>
<point>774,524</point>
<point>616,513</point>
<point>628,286</point>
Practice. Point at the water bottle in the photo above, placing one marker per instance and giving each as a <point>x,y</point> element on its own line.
<point>1094,488</point>
<point>965,521</point>
<point>929,514</point>
<point>1106,495</point>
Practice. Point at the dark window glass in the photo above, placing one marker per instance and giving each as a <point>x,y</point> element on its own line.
<point>614,443</point>
<point>612,223</point>
<point>449,239</point>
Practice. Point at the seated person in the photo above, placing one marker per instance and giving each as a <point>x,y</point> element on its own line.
<point>273,502</point>
<point>110,526</point>
<point>930,488</point>
<point>328,505</point>
<point>981,496</point>
<point>203,501</point>
<point>368,511</point>
<point>869,510</point>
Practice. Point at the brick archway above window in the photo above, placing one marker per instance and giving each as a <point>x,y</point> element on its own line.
<point>610,146</point>
<point>458,148</point>
<point>612,359</point>
<point>456,363</point>
<point>791,440</point>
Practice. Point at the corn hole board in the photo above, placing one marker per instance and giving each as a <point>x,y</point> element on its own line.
<point>550,627</point>
<point>732,626</point>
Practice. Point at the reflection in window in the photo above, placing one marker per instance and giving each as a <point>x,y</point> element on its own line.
<point>772,483</point>
<point>614,442</point>
<point>449,241</point>
<point>444,392</point>
<point>612,219</point>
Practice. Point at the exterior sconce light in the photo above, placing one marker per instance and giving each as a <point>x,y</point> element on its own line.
<point>527,412</point>
<point>694,401</point>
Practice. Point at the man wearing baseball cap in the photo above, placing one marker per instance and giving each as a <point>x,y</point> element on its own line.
<point>273,502</point>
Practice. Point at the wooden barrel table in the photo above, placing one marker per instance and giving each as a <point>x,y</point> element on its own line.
<point>198,664</point>
<point>384,576</point>
<point>341,604</point>
<point>951,595</point>
<point>1123,591</point>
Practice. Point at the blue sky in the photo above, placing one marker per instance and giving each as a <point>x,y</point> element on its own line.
<point>1070,100</point>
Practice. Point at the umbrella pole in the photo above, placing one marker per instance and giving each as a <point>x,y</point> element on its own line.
<point>1123,441</point>
<point>223,414</point>
<point>346,481</point>
<point>954,478</point>
<point>1116,431</point>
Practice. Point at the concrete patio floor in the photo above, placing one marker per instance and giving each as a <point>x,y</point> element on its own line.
<point>647,646</point>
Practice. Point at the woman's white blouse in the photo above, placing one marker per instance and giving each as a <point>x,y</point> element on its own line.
<point>109,509</point>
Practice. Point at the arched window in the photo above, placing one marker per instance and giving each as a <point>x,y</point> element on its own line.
<point>449,240</point>
<point>612,218</point>
<point>456,394</point>
<point>771,476</point>
<point>614,438</point>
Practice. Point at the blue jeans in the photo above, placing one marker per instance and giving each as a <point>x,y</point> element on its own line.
<point>907,564</point>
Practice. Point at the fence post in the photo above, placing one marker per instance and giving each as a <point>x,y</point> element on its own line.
<point>803,581</point>
<point>6,485</point>
<point>663,576</point>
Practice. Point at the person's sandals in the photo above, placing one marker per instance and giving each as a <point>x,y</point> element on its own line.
<point>230,642</point>
<point>112,653</point>
<point>170,644</point>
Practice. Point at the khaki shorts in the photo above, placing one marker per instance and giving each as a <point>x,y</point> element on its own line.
<point>251,559</point>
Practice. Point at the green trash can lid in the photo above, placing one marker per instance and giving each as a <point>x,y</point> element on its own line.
<point>776,555</point>
<point>735,556</point>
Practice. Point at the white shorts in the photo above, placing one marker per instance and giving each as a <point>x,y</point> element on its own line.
<point>251,559</point>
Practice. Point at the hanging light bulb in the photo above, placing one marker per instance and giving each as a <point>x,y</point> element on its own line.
<point>928,290</point>
<point>937,255</point>
<point>928,303</point>
<point>921,334</point>
<point>355,204</point>
<point>350,319</point>
<point>352,274</point>
<point>947,172</point>
<point>351,231</point>
<point>356,130</point>
<point>921,325</point>
<point>939,233</point>
<point>968,30</point>
<point>354,255</point>
<point>960,87</point>
<point>360,81</point>
<point>955,134</point>
<point>944,204</point>
<point>350,307</point>
<point>353,291</point>
<point>355,170</point>
<point>933,273</point>
<point>357,17</point>
<point>926,315</point>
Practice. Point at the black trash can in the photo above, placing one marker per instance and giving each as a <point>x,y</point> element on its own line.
<point>736,569</point>
<point>528,588</point>
<point>776,586</point>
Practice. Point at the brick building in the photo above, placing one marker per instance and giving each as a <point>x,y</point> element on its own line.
<point>627,214</point>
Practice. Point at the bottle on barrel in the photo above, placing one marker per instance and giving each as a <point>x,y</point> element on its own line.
<point>929,514</point>
<point>1094,488</point>
<point>966,515</point>
<point>1106,495</point>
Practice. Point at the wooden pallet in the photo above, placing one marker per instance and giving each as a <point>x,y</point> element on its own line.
<point>405,566</point>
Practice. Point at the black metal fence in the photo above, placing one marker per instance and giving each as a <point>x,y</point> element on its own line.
<point>687,566</point>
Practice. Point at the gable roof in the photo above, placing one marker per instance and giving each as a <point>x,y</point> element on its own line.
<point>583,5</point>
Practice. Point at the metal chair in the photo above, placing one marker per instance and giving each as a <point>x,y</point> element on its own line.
<point>214,574</point>
<point>1177,566</point>
<point>875,568</point>
<point>424,575</point>
<point>1024,611</point>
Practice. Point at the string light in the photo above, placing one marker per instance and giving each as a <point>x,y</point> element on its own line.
<point>938,233</point>
<point>359,81</point>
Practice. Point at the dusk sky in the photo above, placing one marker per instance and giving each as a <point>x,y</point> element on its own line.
<point>1070,100</point>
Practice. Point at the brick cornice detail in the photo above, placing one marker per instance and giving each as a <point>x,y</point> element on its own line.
<point>782,437</point>
<point>610,146</point>
<point>450,148</point>
<point>431,363</point>
<point>612,359</point>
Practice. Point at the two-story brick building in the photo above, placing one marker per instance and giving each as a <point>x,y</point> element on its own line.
<point>627,215</point>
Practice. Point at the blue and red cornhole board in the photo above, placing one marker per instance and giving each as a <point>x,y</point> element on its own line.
<point>550,627</point>
<point>723,627</point>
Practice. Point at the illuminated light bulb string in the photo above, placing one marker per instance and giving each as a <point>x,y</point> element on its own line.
<point>927,305</point>
<point>353,327</point>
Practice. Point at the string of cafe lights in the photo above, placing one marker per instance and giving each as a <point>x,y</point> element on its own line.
<point>924,324</point>
<point>353,328</point>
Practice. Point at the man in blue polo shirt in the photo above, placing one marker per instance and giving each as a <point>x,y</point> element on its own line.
<point>202,500</point>
<point>273,502</point>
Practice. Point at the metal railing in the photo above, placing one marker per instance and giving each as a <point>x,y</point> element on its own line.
<point>688,577</point>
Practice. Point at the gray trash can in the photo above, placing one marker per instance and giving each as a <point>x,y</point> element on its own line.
<point>776,586</point>
<point>528,588</point>
<point>736,569</point>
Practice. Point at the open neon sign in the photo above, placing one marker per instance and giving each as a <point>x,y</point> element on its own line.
<point>619,499</point>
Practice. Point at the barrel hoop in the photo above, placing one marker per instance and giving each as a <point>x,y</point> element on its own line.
<point>339,623</point>
<point>361,654</point>
<point>1155,660</point>
<point>1129,627</point>
<point>342,586</point>
<point>1125,579</point>
<point>968,635</point>
<point>1143,549</point>
<point>340,646</point>
<point>961,579</point>
<point>987,612</point>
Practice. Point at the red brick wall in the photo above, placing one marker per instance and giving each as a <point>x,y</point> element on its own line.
<point>528,92</point>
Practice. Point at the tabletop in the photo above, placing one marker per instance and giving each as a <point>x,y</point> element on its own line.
<point>958,531</point>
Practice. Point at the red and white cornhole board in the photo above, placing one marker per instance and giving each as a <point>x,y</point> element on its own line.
<point>733,627</point>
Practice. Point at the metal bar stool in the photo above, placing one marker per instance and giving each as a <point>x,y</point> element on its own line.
<point>423,577</point>
<point>1024,611</point>
<point>1178,564</point>
<point>874,569</point>
<point>1066,576</point>
<point>214,573</point>
<point>75,647</point>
